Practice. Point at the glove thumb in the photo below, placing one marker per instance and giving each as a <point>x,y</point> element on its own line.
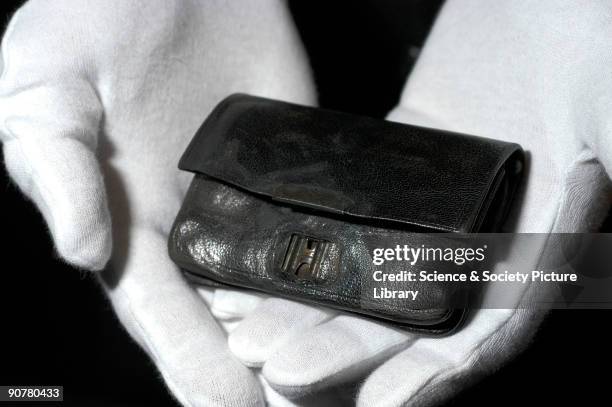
<point>49,153</point>
<point>49,124</point>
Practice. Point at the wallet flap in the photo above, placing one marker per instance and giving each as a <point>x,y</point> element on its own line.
<point>344,164</point>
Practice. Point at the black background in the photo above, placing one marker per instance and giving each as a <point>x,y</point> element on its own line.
<point>57,328</point>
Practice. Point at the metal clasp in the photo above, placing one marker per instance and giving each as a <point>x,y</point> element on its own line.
<point>304,256</point>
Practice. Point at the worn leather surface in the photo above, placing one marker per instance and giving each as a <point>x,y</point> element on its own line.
<point>346,164</point>
<point>269,170</point>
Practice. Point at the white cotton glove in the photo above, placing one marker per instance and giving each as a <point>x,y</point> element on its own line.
<point>535,73</point>
<point>98,99</point>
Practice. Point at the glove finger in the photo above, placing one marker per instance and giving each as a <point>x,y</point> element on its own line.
<point>207,294</point>
<point>274,322</point>
<point>333,398</point>
<point>337,351</point>
<point>171,322</point>
<point>231,304</point>
<point>443,363</point>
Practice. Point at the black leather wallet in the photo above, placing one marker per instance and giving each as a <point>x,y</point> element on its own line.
<point>290,200</point>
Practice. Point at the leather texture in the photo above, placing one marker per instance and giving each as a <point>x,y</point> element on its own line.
<point>292,200</point>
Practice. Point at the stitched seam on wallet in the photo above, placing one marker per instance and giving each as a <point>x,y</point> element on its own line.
<point>323,291</point>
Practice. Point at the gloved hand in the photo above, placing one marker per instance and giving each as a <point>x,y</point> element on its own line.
<point>528,72</point>
<point>98,99</point>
